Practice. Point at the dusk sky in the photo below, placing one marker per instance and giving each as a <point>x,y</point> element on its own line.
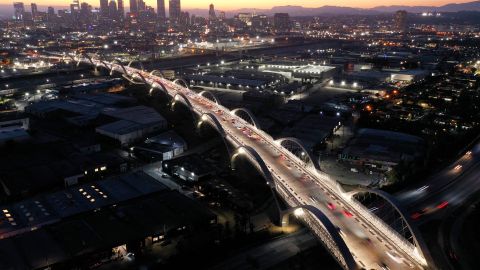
<point>229,5</point>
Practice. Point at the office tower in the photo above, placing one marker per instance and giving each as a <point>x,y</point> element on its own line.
<point>281,22</point>
<point>184,18</point>
<point>104,8</point>
<point>133,6</point>
<point>141,5</point>
<point>211,13</point>
<point>85,12</point>
<point>112,9</point>
<point>34,9</point>
<point>120,8</point>
<point>222,15</point>
<point>401,20</point>
<point>174,10</point>
<point>161,10</point>
<point>19,10</point>
<point>75,9</point>
<point>76,3</point>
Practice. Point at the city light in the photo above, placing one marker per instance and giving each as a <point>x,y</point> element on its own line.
<point>298,212</point>
<point>340,115</point>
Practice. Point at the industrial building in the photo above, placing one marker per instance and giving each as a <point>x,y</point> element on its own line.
<point>164,146</point>
<point>379,150</point>
<point>96,222</point>
<point>132,124</point>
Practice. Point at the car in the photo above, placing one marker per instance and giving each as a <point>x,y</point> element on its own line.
<point>331,206</point>
<point>442,205</point>
<point>347,214</point>
<point>416,215</point>
<point>129,256</point>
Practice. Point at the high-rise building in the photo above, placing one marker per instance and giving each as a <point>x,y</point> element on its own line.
<point>281,22</point>
<point>401,20</point>
<point>184,18</point>
<point>174,10</point>
<point>19,10</point>
<point>50,11</point>
<point>211,13</point>
<point>161,10</point>
<point>222,15</point>
<point>133,6</point>
<point>112,9</point>
<point>120,8</point>
<point>34,9</point>
<point>76,4</point>
<point>141,5</point>
<point>104,8</point>
<point>85,13</point>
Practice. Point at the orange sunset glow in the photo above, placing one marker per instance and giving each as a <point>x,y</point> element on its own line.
<point>230,5</point>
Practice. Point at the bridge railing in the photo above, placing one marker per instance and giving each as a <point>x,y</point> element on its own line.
<point>387,231</point>
<point>380,225</point>
<point>315,227</point>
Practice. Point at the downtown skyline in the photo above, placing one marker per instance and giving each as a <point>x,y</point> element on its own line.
<point>229,5</point>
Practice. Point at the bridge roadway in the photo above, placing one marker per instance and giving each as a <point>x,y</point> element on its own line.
<point>371,242</point>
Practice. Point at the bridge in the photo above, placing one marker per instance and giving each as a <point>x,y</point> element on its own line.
<point>364,229</point>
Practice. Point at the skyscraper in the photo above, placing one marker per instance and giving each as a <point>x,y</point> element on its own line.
<point>222,15</point>
<point>76,4</point>
<point>112,9</point>
<point>34,9</point>
<point>19,9</point>
<point>401,20</point>
<point>174,10</point>
<point>141,5</point>
<point>211,13</point>
<point>51,11</point>
<point>133,6</point>
<point>161,10</point>
<point>120,8</point>
<point>104,8</point>
<point>281,21</point>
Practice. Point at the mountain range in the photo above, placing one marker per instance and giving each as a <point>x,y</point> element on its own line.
<point>7,10</point>
<point>336,10</point>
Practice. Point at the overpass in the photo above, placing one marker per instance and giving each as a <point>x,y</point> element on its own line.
<point>355,235</point>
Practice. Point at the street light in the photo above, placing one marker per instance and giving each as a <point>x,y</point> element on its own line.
<point>298,212</point>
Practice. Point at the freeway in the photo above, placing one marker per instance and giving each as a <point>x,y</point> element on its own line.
<point>371,243</point>
<point>449,187</point>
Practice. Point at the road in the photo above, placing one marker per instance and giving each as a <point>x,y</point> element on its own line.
<point>269,254</point>
<point>372,243</point>
<point>448,188</point>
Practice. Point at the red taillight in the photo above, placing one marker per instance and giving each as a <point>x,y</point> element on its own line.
<point>442,205</point>
<point>416,216</point>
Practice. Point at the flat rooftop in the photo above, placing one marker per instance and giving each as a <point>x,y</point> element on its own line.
<point>137,114</point>
<point>52,207</point>
<point>313,69</point>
